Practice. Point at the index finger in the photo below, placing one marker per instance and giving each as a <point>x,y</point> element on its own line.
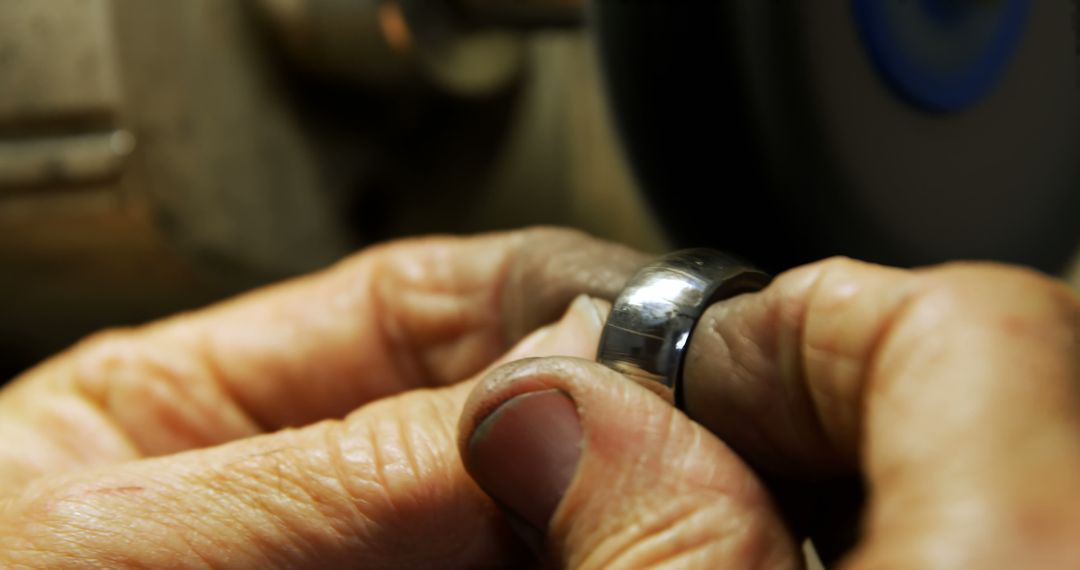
<point>414,313</point>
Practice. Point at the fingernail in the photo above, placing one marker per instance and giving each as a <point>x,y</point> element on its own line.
<point>525,453</point>
<point>575,334</point>
<point>532,343</point>
<point>589,311</point>
<point>602,309</point>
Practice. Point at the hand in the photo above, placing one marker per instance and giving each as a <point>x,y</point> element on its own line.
<point>953,391</point>
<point>169,446</point>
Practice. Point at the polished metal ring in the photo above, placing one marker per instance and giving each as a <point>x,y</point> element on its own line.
<point>649,329</point>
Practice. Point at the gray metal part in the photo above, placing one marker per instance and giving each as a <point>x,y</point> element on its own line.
<point>993,181</point>
<point>231,170</point>
<point>152,162</point>
<point>57,60</point>
<point>235,178</point>
<point>648,331</point>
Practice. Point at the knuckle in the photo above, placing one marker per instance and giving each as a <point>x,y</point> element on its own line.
<point>144,384</point>
<point>829,265</point>
<point>127,361</point>
<point>103,356</point>
<point>838,261</point>
<point>826,311</point>
<point>811,286</point>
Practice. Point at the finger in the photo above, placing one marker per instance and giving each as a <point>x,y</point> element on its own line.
<point>952,388</point>
<point>612,475</point>
<point>421,312</point>
<point>779,374</point>
<point>554,269</point>
<point>384,488</point>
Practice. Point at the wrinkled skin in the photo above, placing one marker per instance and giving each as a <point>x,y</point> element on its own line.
<point>326,422</point>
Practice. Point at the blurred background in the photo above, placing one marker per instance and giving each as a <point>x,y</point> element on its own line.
<point>157,156</point>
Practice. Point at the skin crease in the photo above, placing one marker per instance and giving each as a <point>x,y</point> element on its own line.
<point>953,389</point>
<point>325,422</point>
<point>145,447</point>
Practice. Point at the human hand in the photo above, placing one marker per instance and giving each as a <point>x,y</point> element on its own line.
<point>953,391</point>
<point>179,444</point>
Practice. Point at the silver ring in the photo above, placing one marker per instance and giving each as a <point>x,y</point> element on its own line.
<point>647,333</point>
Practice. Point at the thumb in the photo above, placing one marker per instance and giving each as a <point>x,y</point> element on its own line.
<point>613,476</point>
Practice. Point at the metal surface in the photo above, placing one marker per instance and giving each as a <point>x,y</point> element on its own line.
<point>57,63</point>
<point>941,55</point>
<point>157,156</point>
<point>62,95</point>
<point>53,161</point>
<point>648,331</point>
<point>777,111</point>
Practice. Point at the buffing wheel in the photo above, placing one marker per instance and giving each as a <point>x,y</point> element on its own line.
<point>900,131</point>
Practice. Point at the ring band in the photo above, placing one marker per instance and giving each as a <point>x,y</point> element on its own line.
<point>647,333</point>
